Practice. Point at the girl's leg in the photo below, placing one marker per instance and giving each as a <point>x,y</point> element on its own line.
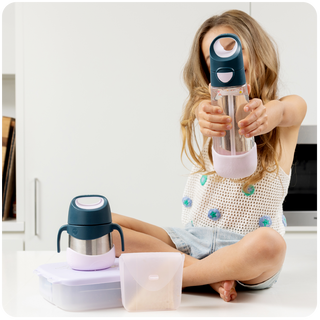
<point>254,259</point>
<point>143,227</point>
<point>140,236</point>
<point>143,237</point>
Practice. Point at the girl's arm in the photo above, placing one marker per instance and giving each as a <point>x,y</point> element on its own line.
<point>289,111</point>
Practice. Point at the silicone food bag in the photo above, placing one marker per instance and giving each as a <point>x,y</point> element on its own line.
<point>151,281</point>
<point>234,155</point>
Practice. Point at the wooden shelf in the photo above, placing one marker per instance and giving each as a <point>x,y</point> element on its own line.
<point>12,225</point>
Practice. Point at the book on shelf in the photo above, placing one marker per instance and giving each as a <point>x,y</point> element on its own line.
<point>8,166</point>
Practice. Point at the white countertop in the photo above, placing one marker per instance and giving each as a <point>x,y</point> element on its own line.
<point>294,295</point>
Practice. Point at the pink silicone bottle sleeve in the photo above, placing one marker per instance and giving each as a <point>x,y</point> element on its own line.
<point>236,166</point>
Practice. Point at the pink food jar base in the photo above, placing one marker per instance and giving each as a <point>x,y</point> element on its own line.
<point>235,167</point>
<point>83,262</point>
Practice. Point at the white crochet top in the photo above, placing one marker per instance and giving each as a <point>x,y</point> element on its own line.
<point>223,204</point>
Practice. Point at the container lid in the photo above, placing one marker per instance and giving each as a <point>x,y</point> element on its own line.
<point>61,273</point>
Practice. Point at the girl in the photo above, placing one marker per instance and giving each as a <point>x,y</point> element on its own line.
<point>242,241</point>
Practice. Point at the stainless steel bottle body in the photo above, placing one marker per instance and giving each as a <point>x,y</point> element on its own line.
<point>91,247</point>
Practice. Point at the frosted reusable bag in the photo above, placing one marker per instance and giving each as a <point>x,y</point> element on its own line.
<point>234,155</point>
<point>151,281</point>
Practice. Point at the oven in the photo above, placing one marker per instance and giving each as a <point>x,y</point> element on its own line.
<point>300,204</point>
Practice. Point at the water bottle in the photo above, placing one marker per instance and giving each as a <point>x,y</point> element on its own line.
<point>90,233</point>
<point>234,155</point>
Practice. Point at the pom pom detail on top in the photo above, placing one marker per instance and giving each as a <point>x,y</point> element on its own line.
<point>203,180</point>
<point>249,191</point>
<point>214,214</point>
<point>265,221</point>
<point>187,202</point>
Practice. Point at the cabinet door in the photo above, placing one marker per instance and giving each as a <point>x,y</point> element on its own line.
<point>293,26</point>
<point>101,94</point>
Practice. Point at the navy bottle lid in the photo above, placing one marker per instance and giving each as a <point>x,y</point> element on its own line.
<point>89,210</point>
<point>89,218</point>
<point>226,61</point>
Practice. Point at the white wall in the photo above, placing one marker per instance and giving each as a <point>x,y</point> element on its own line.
<point>293,26</point>
<point>8,39</point>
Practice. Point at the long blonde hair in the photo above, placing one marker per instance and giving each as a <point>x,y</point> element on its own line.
<point>263,67</point>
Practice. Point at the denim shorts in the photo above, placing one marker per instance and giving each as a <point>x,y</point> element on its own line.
<point>199,242</point>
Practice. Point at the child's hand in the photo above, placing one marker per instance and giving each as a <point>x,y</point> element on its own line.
<point>212,121</point>
<point>256,122</point>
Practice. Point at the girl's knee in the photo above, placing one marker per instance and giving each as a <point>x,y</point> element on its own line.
<point>268,245</point>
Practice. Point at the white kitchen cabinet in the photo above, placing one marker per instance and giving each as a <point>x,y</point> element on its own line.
<point>99,96</point>
<point>12,243</point>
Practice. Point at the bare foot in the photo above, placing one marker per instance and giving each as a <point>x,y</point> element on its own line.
<point>226,289</point>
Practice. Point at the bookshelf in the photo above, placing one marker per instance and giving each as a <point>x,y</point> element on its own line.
<point>10,225</point>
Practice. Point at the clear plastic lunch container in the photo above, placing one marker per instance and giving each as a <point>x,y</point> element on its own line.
<point>151,281</point>
<point>74,290</point>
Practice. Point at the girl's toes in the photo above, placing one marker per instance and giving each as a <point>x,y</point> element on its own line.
<point>228,285</point>
<point>222,293</point>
